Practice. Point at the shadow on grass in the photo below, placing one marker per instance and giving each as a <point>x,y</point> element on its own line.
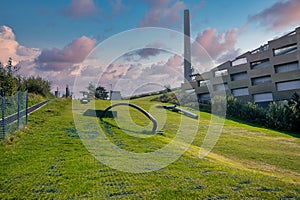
<point>107,125</point>
<point>99,113</point>
<point>293,134</point>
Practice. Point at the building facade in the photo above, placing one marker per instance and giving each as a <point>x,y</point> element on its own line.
<point>115,95</point>
<point>268,73</point>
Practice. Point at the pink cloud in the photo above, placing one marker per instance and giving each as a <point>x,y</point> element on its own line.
<point>57,66</point>
<point>161,13</point>
<point>59,59</point>
<point>80,8</point>
<point>128,77</point>
<point>175,62</point>
<point>9,47</point>
<point>280,15</point>
<point>117,6</point>
<point>170,69</point>
<point>216,45</point>
<point>6,33</point>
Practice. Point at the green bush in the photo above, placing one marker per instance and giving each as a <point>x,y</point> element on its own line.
<point>37,85</point>
<point>251,112</point>
<point>34,99</point>
<point>219,105</point>
<point>167,98</point>
<point>294,104</point>
<point>234,107</point>
<point>278,117</point>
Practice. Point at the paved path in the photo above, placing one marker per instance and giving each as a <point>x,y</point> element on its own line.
<point>10,119</point>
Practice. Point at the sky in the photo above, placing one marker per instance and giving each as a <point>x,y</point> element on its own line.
<point>54,39</point>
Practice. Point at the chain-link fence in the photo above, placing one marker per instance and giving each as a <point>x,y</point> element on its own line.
<point>14,112</point>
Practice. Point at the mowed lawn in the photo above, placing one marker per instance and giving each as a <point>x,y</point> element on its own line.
<point>47,159</point>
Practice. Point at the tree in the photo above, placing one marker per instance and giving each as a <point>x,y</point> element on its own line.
<point>91,91</point>
<point>38,85</point>
<point>294,105</point>
<point>8,82</point>
<point>101,93</point>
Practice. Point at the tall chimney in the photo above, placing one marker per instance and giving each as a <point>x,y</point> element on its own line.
<point>187,47</point>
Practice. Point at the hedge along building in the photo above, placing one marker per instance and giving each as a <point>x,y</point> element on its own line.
<point>268,73</point>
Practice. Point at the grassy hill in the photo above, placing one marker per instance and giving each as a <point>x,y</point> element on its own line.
<point>47,159</point>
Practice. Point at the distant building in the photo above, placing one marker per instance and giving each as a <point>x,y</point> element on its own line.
<point>115,95</point>
<point>57,93</point>
<point>268,73</point>
<point>67,91</point>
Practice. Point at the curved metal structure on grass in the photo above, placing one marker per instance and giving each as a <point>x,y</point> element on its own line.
<point>148,115</point>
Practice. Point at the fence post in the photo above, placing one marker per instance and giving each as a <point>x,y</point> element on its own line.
<point>26,109</point>
<point>19,99</point>
<point>3,113</point>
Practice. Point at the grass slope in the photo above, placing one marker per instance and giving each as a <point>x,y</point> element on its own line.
<point>47,160</point>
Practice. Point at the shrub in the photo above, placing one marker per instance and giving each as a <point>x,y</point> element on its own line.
<point>251,112</point>
<point>37,85</point>
<point>294,104</point>
<point>167,98</point>
<point>234,107</point>
<point>278,117</point>
<point>219,105</point>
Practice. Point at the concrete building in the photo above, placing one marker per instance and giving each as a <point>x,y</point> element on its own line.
<point>268,73</point>
<point>115,95</point>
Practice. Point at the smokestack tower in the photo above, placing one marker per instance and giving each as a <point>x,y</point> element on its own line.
<point>187,47</point>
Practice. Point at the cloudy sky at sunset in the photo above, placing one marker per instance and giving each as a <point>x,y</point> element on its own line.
<point>51,38</point>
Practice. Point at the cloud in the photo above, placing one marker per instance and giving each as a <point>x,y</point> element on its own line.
<point>80,9</point>
<point>162,73</point>
<point>280,15</point>
<point>59,59</point>
<point>199,5</point>
<point>117,6</point>
<point>128,77</point>
<point>161,13</point>
<point>166,73</point>
<point>230,55</point>
<point>217,45</point>
<point>59,66</point>
<point>150,50</point>
<point>7,33</point>
<point>9,47</point>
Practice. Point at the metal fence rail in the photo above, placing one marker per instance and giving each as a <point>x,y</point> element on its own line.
<point>14,111</point>
<point>14,117</point>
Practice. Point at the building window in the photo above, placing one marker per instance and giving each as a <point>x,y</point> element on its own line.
<point>261,80</point>
<point>223,72</point>
<point>240,92</point>
<point>288,85</point>
<point>220,87</point>
<point>286,67</point>
<point>261,49</point>
<point>260,63</point>
<point>263,97</point>
<point>204,98</point>
<point>239,61</point>
<point>285,50</point>
<point>203,83</point>
<point>239,76</point>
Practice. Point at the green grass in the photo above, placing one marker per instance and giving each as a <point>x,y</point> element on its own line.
<point>47,160</point>
<point>34,99</point>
